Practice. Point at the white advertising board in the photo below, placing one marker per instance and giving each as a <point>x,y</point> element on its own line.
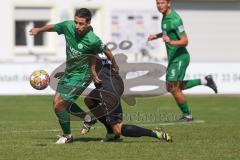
<point>14,78</point>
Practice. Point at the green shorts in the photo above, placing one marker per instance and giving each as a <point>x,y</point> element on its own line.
<point>177,68</point>
<point>71,87</point>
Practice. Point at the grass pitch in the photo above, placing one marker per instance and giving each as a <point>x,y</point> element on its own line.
<point>28,129</point>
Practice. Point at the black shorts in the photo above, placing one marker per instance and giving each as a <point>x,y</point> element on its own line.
<point>109,93</point>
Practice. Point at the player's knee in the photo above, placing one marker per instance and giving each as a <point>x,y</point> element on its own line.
<point>173,88</point>
<point>55,100</point>
<point>58,103</point>
<point>55,103</point>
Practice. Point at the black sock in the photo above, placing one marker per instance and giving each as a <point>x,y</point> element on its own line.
<point>135,131</point>
<point>107,126</point>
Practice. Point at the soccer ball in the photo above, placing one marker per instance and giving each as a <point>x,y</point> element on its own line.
<point>39,79</point>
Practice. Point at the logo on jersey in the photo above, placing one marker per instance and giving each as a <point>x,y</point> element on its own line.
<point>164,26</point>
<point>165,29</point>
<point>181,28</point>
<point>73,52</point>
<point>80,46</point>
<point>173,73</point>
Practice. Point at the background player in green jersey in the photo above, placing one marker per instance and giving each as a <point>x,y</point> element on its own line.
<point>81,42</point>
<point>176,40</point>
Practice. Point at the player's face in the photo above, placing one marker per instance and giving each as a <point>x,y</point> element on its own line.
<point>81,24</point>
<point>163,6</point>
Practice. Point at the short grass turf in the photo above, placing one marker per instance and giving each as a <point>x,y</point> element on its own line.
<point>28,129</point>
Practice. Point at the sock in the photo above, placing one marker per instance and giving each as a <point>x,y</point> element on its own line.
<point>191,83</point>
<point>107,126</point>
<point>184,108</point>
<point>64,121</point>
<point>135,131</point>
<point>75,110</point>
<point>203,81</point>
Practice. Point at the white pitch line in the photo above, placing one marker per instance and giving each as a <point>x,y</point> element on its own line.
<point>33,131</point>
<point>175,123</point>
<point>144,125</point>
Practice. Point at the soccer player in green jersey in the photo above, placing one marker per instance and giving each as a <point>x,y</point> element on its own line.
<point>81,42</point>
<point>176,40</point>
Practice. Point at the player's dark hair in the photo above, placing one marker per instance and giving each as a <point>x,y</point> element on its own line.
<point>84,13</point>
<point>91,28</point>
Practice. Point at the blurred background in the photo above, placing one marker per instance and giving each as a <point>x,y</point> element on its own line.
<point>212,27</point>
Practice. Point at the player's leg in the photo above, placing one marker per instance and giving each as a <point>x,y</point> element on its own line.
<point>207,81</point>
<point>111,99</point>
<point>68,90</point>
<point>174,80</point>
<point>104,99</point>
<point>115,119</point>
<point>175,89</point>
<point>73,108</point>
<point>190,83</point>
<point>92,101</point>
<point>96,105</point>
<point>60,106</point>
<point>182,65</point>
<point>136,131</point>
<point>71,89</point>
<point>76,111</point>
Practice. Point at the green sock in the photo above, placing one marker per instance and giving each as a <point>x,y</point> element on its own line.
<point>184,108</point>
<point>64,120</point>
<point>75,110</point>
<point>191,83</point>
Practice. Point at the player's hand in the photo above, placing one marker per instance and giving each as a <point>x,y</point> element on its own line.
<point>96,80</point>
<point>59,75</point>
<point>34,31</point>
<point>166,39</point>
<point>151,37</point>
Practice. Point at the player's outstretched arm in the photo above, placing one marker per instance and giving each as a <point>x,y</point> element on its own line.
<point>110,56</point>
<point>46,28</point>
<point>154,36</point>
<point>92,63</point>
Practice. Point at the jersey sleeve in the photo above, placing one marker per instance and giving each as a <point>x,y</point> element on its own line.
<point>97,47</point>
<point>179,28</point>
<point>59,27</point>
<point>101,49</point>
